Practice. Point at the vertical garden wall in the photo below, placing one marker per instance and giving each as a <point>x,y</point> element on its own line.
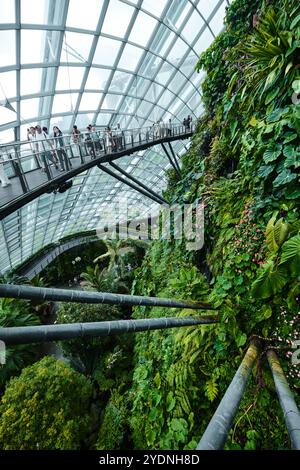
<point>244,165</point>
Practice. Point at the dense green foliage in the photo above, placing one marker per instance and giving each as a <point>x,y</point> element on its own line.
<point>46,407</point>
<point>244,166</point>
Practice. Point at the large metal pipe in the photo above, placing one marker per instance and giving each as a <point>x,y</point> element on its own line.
<point>64,295</point>
<point>217,431</point>
<point>286,399</point>
<point>44,333</point>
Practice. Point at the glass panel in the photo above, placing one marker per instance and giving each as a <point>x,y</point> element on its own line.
<point>30,108</point>
<point>142,29</point>
<point>111,101</point>
<point>165,73</point>
<point>31,81</point>
<point>7,136</point>
<point>166,98</point>
<point>38,46</point>
<point>8,84</point>
<point>97,78</point>
<point>90,101</point>
<point>177,82</point>
<point>34,12</point>
<point>83,120</point>
<point>216,23</point>
<point>69,78</point>
<point>206,7</point>
<point>154,92</point>
<point>6,115</point>
<point>130,57</point>
<point>106,51</point>
<point>117,18</point>
<point>64,102</point>
<point>177,51</point>
<point>63,122</point>
<point>84,15</point>
<point>7,54</point>
<point>7,14</point>
<point>193,26</point>
<point>76,47</point>
<point>156,8</point>
<point>150,65</point>
<point>120,81</point>
<point>204,41</point>
<point>163,40</point>
<point>183,15</point>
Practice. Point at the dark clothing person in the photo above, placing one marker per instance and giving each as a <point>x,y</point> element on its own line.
<point>60,150</point>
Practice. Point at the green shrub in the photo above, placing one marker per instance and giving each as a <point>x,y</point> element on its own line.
<point>45,408</point>
<point>88,351</point>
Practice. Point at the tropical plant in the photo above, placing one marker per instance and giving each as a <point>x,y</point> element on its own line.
<point>116,250</point>
<point>87,353</point>
<point>283,262</point>
<point>102,280</point>
<point>14,313</point>
<point>47,407</point>
<point>271,56</point>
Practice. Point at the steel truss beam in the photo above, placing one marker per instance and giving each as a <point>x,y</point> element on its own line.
<point>139,183</point>
<point>170,160</point>
<point>128,183</point>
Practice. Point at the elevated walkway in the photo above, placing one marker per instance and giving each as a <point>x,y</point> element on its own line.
<point>31,175</point>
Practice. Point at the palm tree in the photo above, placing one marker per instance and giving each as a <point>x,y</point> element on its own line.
<point>103,280</point>
<point>116,249</point>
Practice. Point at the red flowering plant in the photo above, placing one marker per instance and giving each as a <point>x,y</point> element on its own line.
<point>287,337</point>
<point>249,246</point>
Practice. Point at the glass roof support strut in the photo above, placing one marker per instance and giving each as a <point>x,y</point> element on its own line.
<point>135,180</point>
<point>170,160</point>
<point>131,185</point>
<point>174,156</point>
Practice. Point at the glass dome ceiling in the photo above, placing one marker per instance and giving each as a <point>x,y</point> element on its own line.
<point>65,62</point>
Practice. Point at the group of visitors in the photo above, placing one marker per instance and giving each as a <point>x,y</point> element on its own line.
<point>187,123</point>
<point>48,149</point>
<point>161,129</point>
<point>57,151</point>
<point>114,139</point>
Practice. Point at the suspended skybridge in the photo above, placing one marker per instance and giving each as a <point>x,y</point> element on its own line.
<point>31,174</point>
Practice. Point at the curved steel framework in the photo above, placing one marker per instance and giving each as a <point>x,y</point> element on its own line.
<point>104,62</point>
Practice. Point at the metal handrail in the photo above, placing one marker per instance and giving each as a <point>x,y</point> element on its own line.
<point>148,133</point>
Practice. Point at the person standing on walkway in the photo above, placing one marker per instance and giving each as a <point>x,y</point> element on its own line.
<point>3,177</point>
<point>96,139</point>
<point>109,139</point>
<point>60,149</point>
<point>89,142</point>
<point>76,137</point>
<point>44,147</point>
